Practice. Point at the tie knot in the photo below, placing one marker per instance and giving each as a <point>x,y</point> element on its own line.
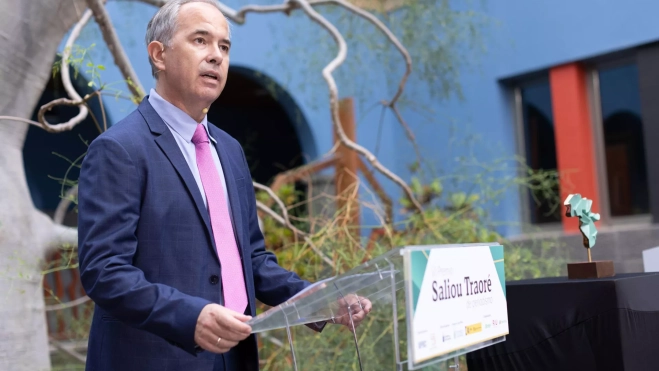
<point>200,135</point>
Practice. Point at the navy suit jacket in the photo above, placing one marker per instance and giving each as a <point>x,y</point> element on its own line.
<point>147,256</point>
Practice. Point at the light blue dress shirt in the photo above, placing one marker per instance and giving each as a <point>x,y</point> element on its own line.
<point>183,127</point>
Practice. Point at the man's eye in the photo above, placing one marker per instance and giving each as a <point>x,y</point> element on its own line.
<point>224,48</point>
<point>199,40</point>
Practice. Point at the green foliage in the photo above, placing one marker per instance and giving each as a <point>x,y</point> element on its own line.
<point>81,62</point>
<point>442,37</point>
<point>78,58</point>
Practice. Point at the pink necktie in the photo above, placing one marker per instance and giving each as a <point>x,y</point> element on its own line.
<point>233,283</point>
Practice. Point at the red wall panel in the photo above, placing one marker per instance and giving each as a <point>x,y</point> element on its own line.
<point>574,137</point>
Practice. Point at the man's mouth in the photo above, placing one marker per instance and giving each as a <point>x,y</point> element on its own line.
<point>210,75</point>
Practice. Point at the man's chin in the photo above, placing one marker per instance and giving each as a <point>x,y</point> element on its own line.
<point>209,96</point>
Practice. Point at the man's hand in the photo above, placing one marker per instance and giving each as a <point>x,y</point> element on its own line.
<point>359,306</point>
<point>217,322</point>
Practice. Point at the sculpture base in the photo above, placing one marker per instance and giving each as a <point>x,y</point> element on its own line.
<point>585,270</point>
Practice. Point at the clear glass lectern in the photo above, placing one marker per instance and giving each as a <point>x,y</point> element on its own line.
<point>399,284</point>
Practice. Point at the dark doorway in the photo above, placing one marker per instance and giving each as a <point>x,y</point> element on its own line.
<point>625,164</point>
<point>540,150</point>
<point>48,158</point>
<point>541,155</point>
<point>624,145</point>
<point>250,110</point>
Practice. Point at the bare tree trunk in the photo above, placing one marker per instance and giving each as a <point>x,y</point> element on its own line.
<point>30,32</point>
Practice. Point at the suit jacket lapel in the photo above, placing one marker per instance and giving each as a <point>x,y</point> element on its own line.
<point>234,199</point>
<point>168,145</point>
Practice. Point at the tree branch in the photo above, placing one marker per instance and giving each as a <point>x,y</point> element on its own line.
<point>287,223</point>
<point>70,304</point>
<point>20,119</point>
<point>114,45</point>
<point>59,128</point>
<point>306,6</point>
<point>408,131</point>
<point>239,17</point>
<point>64,203</point>
<point>64,71</point>
<point>273,195</point>
<point>156,3</point>
<point>333,90</point>
<point>401,49</point>
<point>75,100</point>
<point>62,235</point>
<point>81,358</point>
<point>386,31</point>
<point>54,128</point>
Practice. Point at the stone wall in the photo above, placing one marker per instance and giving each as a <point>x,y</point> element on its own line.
<point>622,244</point>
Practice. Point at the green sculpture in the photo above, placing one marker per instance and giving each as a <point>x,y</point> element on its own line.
<point>580,207</point>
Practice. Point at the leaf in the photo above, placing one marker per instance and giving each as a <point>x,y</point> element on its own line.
<point>101,67</point>
<point>473,198</point>
<point>436,186</point>
<point>416,186</point>
<point>458,199</point>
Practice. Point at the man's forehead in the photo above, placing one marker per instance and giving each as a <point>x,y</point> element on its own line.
<point>201,15</point>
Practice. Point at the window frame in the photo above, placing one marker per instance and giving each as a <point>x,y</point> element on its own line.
<point>593,67</point>
<point>527,227</point>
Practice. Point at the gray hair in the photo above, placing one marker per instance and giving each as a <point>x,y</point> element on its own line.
<point>163,24</point>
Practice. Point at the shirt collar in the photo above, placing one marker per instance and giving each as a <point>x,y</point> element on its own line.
<point>175,118</point>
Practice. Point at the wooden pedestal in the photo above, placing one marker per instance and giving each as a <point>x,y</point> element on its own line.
<point>585,270</point>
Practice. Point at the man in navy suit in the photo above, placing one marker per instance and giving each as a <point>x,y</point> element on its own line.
<point>169,243</point>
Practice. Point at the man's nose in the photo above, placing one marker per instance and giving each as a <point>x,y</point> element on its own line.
<point>215,56</point>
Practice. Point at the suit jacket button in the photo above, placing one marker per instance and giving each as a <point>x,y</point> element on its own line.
<point>214,279</point>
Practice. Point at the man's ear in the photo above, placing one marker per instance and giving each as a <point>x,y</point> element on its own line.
<point>156,51</point>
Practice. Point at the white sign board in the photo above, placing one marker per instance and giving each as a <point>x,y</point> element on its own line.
<point>456,299</point>
<point>651,260</point>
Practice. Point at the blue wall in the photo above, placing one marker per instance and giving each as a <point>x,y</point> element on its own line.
<point>538,34</point>
<point>524,37</point>
<point>458,136</point>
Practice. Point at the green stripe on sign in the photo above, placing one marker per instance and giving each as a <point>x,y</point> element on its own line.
<point>497,258</point>
<point>419,260</point>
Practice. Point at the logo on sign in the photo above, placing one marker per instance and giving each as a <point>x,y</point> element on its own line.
<point>473,329</point>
